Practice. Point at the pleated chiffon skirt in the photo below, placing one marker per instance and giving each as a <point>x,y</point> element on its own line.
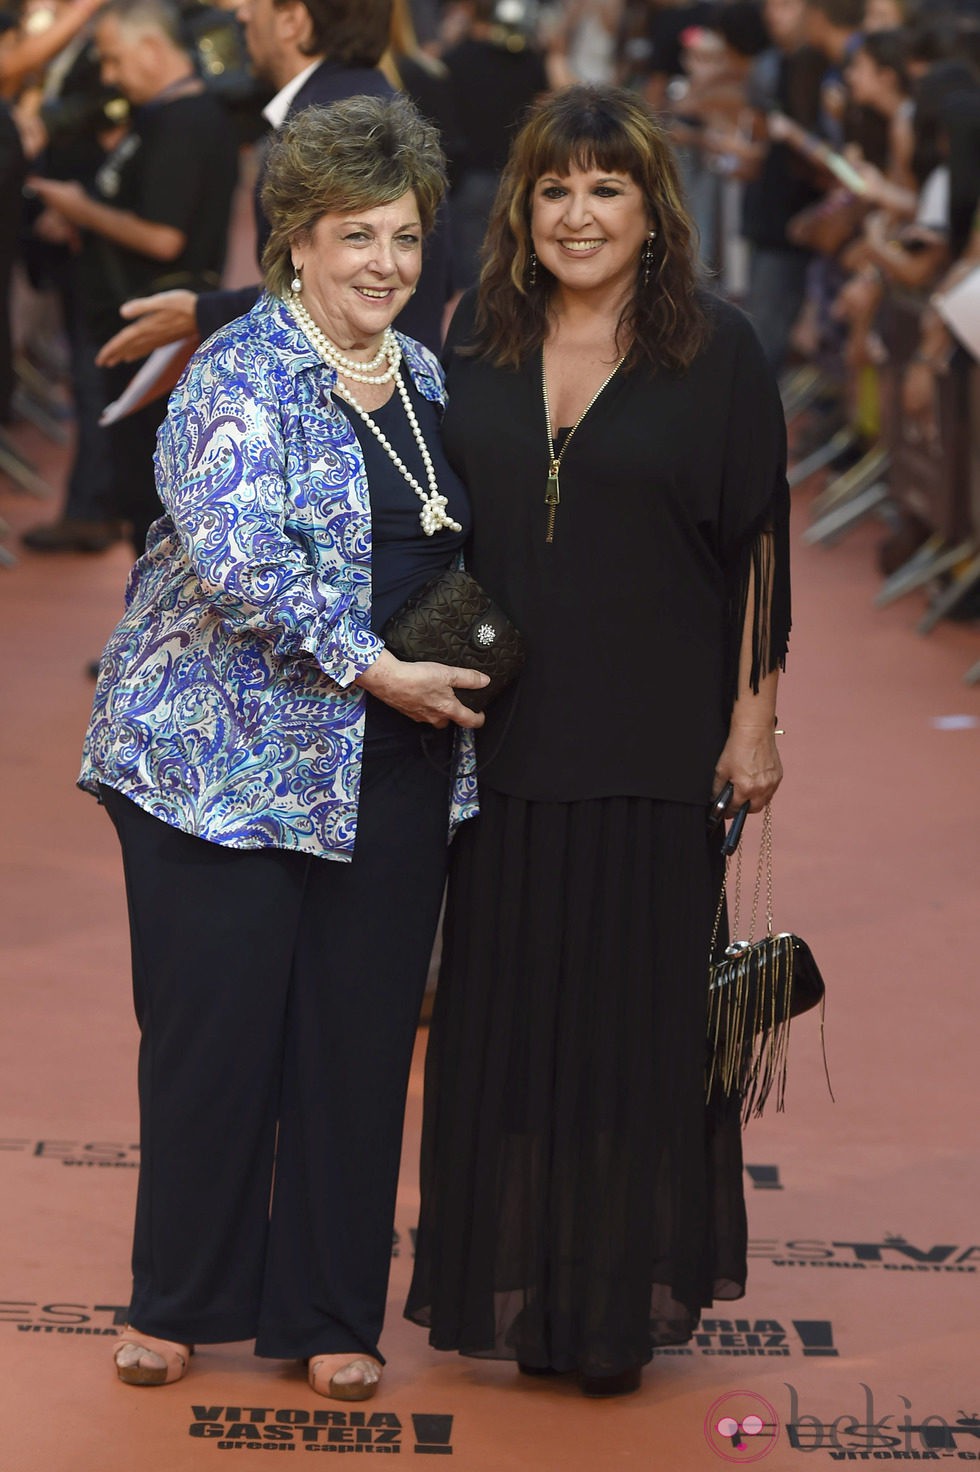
<point>580,1202</point>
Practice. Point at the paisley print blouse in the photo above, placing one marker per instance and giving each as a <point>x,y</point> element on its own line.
<point>225,703</point>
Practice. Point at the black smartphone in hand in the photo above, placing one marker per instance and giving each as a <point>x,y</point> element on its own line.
<point>730,841</point>
<point>718,806</point>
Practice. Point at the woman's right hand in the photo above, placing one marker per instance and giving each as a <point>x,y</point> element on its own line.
<point>424,691</point>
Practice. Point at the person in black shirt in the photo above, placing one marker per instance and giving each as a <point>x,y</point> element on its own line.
<point>495,74</point>
<point>622,441</point>
<point>786,79</point>
<point>158,213</point>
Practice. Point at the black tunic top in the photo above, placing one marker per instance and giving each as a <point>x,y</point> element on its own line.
<point>633,614</point>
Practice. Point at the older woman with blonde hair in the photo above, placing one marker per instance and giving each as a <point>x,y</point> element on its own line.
<point>258,750</point>
<point>622,441</point>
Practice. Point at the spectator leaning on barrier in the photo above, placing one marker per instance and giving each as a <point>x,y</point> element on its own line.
<point>832,27</point>
<point>158,214</point>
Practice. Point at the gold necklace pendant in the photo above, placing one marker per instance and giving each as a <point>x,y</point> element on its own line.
<point>552,494</point>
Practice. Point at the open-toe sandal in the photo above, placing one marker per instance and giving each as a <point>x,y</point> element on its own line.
<point>131,1368</point>
<point>362,1375</point>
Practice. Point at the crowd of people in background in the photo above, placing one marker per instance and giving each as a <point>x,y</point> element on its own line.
<point>830,151</point>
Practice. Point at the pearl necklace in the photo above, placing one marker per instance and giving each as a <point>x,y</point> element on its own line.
<point>350,368</point>
<point>433,514</point>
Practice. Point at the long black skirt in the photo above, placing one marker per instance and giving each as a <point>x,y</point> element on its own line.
<point>580,1202</point>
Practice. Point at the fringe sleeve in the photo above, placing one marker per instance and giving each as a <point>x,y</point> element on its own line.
<point>755,519</point>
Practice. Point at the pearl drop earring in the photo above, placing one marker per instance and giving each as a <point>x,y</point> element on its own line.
<point>296,285</point>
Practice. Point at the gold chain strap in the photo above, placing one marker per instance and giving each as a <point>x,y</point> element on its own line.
<point>763,867</point>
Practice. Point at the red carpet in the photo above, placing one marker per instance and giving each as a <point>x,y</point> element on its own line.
<point>859,1338</point>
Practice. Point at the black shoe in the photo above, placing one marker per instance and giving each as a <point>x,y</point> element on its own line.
<point>73,535</point>
<point>623,1383</point>
<point>537,1369</point>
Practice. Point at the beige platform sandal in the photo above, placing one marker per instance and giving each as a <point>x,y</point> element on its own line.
<point>132,1369</point>
<point>343,1377</point>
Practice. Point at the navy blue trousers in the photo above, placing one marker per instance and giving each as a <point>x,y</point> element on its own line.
<point>278,996</point>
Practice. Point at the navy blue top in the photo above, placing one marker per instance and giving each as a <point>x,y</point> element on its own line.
<point>403,558</point>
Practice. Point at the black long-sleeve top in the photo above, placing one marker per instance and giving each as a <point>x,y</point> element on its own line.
<point>673,490</point>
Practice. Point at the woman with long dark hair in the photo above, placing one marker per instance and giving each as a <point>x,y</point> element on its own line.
<point>622,442</point>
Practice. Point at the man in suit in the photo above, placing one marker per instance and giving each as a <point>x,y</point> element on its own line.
<point>314,52</point>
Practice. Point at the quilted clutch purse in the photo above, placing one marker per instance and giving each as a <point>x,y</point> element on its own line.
<point>453,621</point>
<point>755,988</point>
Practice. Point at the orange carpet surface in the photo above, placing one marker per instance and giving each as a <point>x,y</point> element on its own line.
<point>859,1336</point>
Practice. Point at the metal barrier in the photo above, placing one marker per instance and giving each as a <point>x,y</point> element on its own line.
<point>927,456</point>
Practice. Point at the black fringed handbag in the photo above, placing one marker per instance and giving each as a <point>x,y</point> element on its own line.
<point>755,989</point>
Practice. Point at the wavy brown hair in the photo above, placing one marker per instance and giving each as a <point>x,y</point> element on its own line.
<point>591,128</point>
<point>353,155</point>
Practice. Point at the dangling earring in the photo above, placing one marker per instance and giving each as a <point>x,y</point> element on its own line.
<point>532,271</point>
<point>296,285</point>
<point>647,256</point>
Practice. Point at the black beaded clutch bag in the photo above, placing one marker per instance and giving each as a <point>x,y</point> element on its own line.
<point>453,621</point>
<point>754,990</point>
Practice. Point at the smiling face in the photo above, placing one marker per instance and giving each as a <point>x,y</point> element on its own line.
<point>588,228</point>
<point>358,270</point>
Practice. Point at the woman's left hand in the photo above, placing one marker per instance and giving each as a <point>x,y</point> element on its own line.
<point>750,762</point>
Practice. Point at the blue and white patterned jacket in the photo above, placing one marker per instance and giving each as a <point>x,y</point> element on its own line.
<point>225,704</point>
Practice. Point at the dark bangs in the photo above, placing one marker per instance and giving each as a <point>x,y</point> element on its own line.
<point>609,130</point>
<point>586,135</point>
